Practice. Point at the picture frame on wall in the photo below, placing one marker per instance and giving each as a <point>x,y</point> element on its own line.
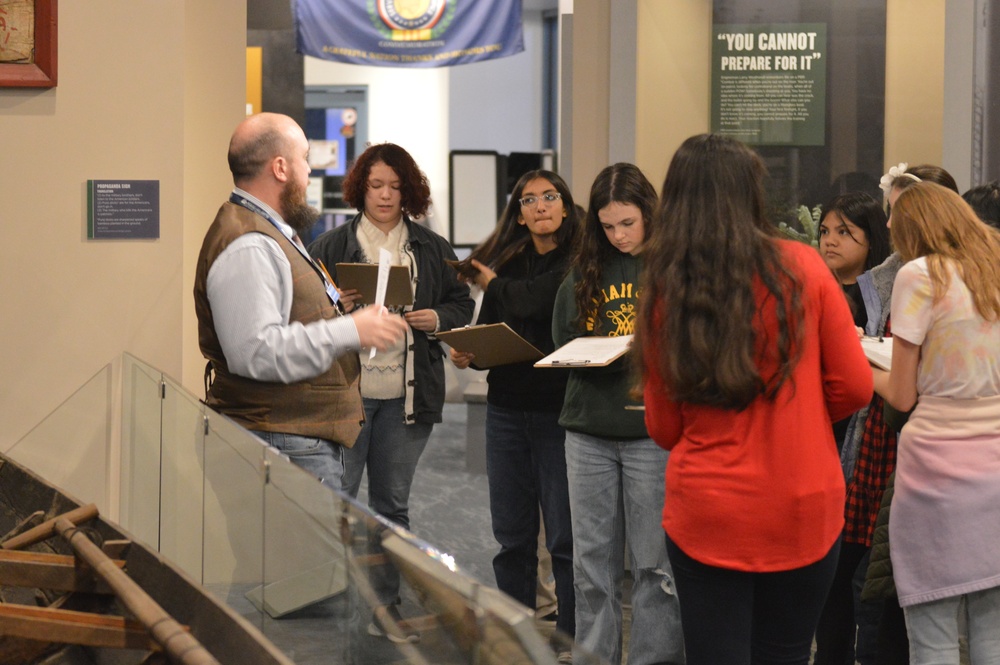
<point>28,43</point>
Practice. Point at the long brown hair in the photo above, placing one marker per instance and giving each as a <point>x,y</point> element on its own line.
<point>618,183</point>
<point>710,244</point>
<point>932,221</point>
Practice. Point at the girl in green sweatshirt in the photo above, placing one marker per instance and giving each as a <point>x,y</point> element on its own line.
<point>615,470</point>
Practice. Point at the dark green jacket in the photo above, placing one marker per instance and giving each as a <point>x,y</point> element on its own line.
<point>879,582</point>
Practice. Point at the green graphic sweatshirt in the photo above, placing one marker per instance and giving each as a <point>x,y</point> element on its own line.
<point>596,397</point>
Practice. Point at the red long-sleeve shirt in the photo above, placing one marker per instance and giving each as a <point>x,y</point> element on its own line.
<point>762,489</point>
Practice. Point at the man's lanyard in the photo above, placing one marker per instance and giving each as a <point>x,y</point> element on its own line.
<point>331,289</point>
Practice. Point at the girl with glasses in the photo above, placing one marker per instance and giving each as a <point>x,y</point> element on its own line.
<point>519,269</point>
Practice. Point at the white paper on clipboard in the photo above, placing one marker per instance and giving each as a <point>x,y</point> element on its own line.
<point>384,264</point>
<point>596,351</point>
<point>878,350</point>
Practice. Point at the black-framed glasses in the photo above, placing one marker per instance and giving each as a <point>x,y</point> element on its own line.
<point>531,201</point>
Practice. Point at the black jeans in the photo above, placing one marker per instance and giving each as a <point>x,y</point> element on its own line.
<point>526,467</point>
<point>848,627</point>
<point>732,617</point>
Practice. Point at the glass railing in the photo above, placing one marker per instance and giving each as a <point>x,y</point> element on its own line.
<point>300,561</point>
<point>86,418</point>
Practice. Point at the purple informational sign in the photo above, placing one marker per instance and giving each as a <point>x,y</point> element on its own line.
<point>123,209</point>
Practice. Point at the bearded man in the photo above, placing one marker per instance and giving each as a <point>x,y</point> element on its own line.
<point>282,355</point>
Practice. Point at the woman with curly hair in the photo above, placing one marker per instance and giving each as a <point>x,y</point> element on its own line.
<point>403,387</point>
<point>519,269</point>
<point>748,352</point>
<point>615,469</point>
<point>943,526</point>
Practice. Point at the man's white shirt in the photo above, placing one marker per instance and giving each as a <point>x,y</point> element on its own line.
<point>249,288</point>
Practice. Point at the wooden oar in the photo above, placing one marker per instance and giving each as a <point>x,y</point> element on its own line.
<point>180,645</point>
<point>46,529</point>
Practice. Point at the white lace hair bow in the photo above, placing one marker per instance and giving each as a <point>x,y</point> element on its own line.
<point>894,172</point>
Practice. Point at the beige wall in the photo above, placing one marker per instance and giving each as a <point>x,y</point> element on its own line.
<point>914,81</point>
<point>591,71</point>
<point>147,90</point>
<point>674,80</point>
<point>672,84</point>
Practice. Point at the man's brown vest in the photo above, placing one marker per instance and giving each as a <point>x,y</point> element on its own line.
<point>327,406</point>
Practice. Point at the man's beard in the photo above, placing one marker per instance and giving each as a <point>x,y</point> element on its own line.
<point>297,213</point>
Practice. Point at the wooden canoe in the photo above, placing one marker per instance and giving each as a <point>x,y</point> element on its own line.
<point>58,607</point>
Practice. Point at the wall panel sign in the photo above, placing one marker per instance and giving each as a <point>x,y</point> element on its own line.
<point>769,83</point>
<point>123,209</point>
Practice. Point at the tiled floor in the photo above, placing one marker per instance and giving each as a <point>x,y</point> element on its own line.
<point>449,506</point>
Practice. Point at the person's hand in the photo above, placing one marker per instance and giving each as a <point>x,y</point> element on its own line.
<point>422,319</point>
<point>485,275</point>
<point>462,359</point>
<point>860,331</point>
<point>377,328</point>
<point>348,298</point>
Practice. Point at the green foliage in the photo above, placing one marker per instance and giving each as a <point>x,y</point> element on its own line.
<point>809,221</point>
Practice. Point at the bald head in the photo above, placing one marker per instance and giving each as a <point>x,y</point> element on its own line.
<point>258,140</point>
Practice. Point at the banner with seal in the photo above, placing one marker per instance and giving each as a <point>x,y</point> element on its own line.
<point>409,33</point>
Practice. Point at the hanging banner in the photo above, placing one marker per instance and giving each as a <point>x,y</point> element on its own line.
<point>769,83</point>
<point>409,33</point>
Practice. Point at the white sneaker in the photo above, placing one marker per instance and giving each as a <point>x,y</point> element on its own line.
<point>387,622</point>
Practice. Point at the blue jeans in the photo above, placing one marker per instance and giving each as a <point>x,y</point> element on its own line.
<point>616,496</point>
<point>390,450</point>
<point>933,629</point>
<point>526,467</point>
<point>320,457</point>
<point>733,617</point>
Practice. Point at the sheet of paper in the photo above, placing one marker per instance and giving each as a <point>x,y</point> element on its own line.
<point>878,351</point>
<point>384,263</point>
<point>584,351</point>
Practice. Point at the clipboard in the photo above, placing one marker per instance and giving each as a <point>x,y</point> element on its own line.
<point>588,352</point>
<point>364,276</point>
<point>492,343</point>
<point>878,350</point>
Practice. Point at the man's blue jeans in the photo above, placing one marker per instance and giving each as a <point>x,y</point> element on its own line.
<point>320,457</point>
<point>390,450</point>
<point>616,496</point>
<point>526,467</point>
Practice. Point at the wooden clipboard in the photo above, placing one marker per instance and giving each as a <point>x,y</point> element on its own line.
<point>492,343</point>
<point>588,352</point>
<point>364,276</point>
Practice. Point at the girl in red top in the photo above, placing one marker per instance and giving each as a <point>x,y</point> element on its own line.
<point>749,353</point>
